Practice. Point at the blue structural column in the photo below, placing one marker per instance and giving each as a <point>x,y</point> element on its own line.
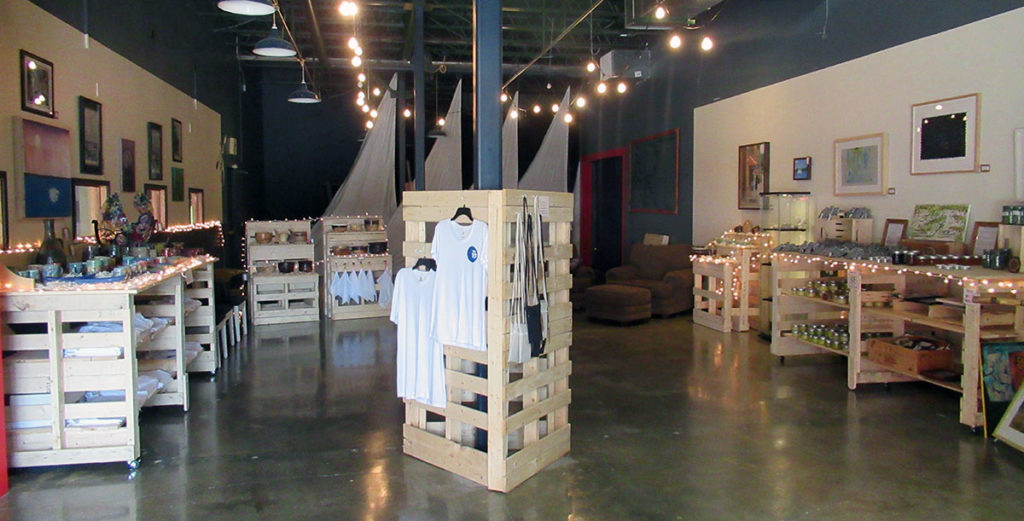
<point>420,110</point>
<point>487,93</point>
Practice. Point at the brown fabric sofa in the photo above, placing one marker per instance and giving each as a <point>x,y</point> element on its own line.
<point>664,270</point>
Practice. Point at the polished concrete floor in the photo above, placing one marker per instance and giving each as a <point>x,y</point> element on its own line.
<point>670,421</point>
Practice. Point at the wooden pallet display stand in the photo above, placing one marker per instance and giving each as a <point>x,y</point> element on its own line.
<point>748,278</point>
<point>280,298</point>
<point>46,383</point>
<point>347,232</point>
<point>996,315</point>
<point>713,294</point>
<point>201,325</point>
<point>527,416</point>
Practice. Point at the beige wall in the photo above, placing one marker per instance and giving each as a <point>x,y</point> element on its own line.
<point>802,117</point>
<point>130,96</point>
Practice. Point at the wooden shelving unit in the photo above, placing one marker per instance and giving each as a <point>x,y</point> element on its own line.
<point>961,318</point>
<point>201,324</point>
<point>274,297</point>
<point>338,234</point>
<point>527,415</point>
<point>73,365</point>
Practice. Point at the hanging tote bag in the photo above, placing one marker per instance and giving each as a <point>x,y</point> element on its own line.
<point>519,338</point>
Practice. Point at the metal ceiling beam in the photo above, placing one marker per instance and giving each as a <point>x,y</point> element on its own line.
<point>402,65</point>
<point>318,41</point>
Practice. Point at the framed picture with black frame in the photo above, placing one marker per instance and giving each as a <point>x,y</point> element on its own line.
<point>802,168</point>
<point>155,140</point>
<point>4,222</point>
<point>176,144</point>
<point>36,85</point>
<point>90,136</point>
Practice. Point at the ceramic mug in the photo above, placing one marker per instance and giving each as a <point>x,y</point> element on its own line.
<point>52,270</point>
<point>34,275</point>
<point>94,265</point>
<point>76,268</point>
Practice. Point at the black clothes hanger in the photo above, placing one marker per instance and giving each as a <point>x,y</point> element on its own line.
<point>463,210</point>
<point>426,263</point>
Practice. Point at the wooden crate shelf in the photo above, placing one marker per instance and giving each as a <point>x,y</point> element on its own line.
<point>72,390</point>
<point>280,298</point>
<point>526,419</point>
<point>998,315</point>
<point>346,232</point>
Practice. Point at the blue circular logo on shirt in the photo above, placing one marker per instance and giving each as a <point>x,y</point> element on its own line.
<point>472,254</point>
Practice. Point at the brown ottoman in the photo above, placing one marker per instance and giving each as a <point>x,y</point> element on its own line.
<point>618,303</point>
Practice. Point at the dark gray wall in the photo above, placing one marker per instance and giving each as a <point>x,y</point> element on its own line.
<point>757,43</point>
<point>308,149</point>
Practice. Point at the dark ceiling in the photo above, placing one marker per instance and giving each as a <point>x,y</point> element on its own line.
<point>384,29</point>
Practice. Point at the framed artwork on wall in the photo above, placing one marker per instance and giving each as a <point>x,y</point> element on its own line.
<point>860,165</point>
<point>90,136</point>
<point>894,230</point>
<point>155,138</point>
<point>36,85</point>
<point>754,162</point>
<point>654,173</point>
<point>801,168</point>
<point>40,150</point>
<point>177,184</point>
<point>944,135</point>
<point>47,196</point>
<point>176,137</point>
<point>127,165</point>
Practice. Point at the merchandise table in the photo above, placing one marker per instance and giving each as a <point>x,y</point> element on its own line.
<point>81,360</point>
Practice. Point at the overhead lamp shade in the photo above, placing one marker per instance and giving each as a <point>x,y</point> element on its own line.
<point>247,7</point>
<point>303,95</point>
<point>274,45</point>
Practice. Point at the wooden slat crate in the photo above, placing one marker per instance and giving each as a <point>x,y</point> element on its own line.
<point>279,298</point>
<point>527,415</point>
<point>201,324</point>
<point>713,294</point>
<point>346,232</point>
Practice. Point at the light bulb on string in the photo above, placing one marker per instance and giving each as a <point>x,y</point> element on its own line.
<point>376,91</point>
<point>660,12</point>
<point>369,125</point>
<point>675,41</point>
<point>360,101</point>
<point>707,43</point>
<point>621,87</point>
<point>591,66</point>
<point>353,42</point>
<point>361,95</point>
<point>366,108</point>
<point>348,8</point>
<point>568,117</point>
<point>358,51</point>
<point>504,97</point>
<point>373,113</point>
<point>361,77</point>
<point>407,113</point>
<point>514,114</point>
<point>602,87</point>
<point>554,107</point>
<point>581,102</point>
<point>440,122</point>
<point>536,108</point>
<point>356,61</point>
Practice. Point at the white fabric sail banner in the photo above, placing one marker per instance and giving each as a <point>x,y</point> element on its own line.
<point>510,146</point>
<point>370,185</point>
<point>444,164</point>
<point>549,169</point>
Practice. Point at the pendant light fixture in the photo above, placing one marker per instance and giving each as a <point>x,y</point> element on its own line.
<point>247,7</point>
<point>274,45</point>
<point>303,94</point>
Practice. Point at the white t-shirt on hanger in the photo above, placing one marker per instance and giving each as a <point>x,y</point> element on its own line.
<point>420,360</point>
<point>461,254</point>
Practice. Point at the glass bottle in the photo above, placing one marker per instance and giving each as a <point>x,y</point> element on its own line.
<point>51,250</point>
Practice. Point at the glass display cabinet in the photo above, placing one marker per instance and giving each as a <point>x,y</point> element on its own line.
<point>786,217</point>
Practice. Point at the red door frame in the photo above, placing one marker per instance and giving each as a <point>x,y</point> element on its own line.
<point>587,203</point>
